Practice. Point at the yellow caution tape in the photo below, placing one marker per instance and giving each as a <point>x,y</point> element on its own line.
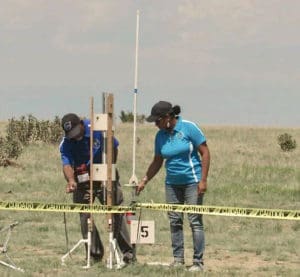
<point>104,209</point>
<point>225,211</point>
<point>62,207</point>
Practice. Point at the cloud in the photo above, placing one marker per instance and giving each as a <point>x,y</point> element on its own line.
<point>239,21</point>
<point>20,14</point>
<point>86,19</point>
<point>73,14</point>
<point>62,41</point>
<point>250,40</point>
<point>67,24</point>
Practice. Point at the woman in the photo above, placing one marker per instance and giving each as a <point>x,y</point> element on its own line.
<point>179,142</point>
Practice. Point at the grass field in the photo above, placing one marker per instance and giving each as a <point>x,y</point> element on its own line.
<point>248,169</point>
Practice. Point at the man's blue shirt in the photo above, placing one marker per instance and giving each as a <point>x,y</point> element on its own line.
<point>180,149</point>
<point>76,153</point>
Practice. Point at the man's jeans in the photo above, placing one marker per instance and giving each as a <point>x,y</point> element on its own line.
<point>185,194</point>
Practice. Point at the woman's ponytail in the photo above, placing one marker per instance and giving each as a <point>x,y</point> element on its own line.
<point>176,110</point>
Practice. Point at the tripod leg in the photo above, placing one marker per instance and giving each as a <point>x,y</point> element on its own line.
<point>89,243</point>
<point>72,250</point>
<point>4,248</point>
<point>12,266</point>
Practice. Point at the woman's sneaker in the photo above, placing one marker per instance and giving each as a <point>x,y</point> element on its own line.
<point>196,267</point>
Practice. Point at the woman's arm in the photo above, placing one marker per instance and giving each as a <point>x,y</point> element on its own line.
<point>205,159</point>
<point>153,168</point>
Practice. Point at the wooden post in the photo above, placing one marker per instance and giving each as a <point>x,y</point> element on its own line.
<point>110,149</point>
<point>90,219</point>
<point>91,152</point>
<point>110,190</point>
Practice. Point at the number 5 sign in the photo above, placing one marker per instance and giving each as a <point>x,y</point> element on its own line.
<point>142,232</point>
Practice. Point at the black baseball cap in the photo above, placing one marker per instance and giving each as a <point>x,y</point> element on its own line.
<point>71,125</point>
<point>160,109</point>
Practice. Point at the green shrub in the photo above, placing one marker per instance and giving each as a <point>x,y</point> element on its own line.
<point>21,132</point>
<point>128,117</point>
<point>31,129</point>
<point>9,149</point>
<point>286,142</point>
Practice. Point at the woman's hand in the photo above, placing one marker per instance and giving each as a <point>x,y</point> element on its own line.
<point>202,187</point>
<point>141,185</point>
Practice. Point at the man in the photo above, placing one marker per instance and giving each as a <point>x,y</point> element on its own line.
<point>75,156</point>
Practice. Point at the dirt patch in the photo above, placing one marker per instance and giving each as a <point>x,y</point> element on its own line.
<point>224,260</point>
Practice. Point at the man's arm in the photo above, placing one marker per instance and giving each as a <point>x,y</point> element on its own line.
<point>69,176</point>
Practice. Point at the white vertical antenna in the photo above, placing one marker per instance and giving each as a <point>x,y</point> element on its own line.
<point>133,180</point>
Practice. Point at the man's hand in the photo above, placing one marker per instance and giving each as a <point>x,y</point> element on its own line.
<point>71,186</point>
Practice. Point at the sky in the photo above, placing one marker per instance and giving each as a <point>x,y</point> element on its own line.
<point>227,62</point>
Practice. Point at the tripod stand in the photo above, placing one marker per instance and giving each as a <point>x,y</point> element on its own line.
<point>3,248</point>
<point>81,241</point>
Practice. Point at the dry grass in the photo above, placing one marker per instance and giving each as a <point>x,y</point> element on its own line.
<point>248,169</point>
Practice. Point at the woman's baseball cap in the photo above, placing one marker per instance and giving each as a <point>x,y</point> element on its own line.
<point>71,125</point>
<point>160,109</point>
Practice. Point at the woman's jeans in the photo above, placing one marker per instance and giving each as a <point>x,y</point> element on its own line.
<point>185,194</point>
